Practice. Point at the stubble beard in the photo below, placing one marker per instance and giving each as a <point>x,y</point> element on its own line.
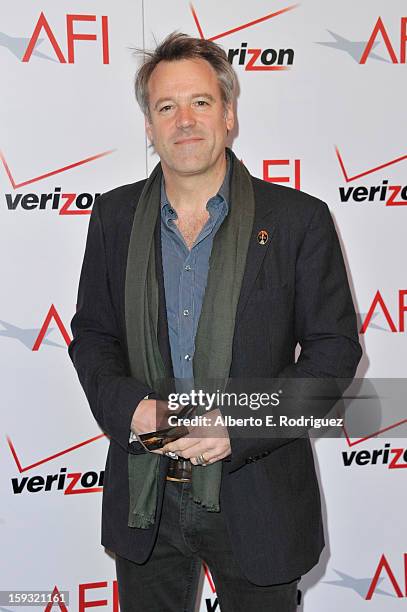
<point>188,162</point>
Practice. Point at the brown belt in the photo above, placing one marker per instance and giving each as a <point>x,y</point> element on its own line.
<point>179,470</point>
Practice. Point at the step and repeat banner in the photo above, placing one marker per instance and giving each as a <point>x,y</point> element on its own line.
<point>321,108</point>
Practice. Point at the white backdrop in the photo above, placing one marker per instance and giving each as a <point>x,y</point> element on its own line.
<point>71,129</point>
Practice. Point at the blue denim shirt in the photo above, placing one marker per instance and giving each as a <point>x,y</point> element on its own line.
<point>185,274</point>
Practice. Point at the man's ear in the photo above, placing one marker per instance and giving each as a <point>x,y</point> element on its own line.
<point>148,128</point>
<point>229,117</point>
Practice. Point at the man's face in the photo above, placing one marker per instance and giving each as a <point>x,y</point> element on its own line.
<point>188,123</point>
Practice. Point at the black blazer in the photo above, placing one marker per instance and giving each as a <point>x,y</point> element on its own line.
<point>295,289</point>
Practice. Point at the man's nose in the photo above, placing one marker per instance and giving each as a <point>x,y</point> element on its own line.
<point>185,117</point>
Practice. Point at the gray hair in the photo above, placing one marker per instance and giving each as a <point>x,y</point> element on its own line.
<point>177,46</point>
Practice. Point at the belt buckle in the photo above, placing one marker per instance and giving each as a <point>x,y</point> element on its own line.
<point>179,470</point>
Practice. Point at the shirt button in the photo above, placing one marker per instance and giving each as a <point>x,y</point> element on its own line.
<point>187,268</point>
<point>186,312</point>
<point>187,357</point>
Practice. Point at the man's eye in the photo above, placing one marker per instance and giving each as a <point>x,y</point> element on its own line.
<point>165,108</point>
<point>201,103</point>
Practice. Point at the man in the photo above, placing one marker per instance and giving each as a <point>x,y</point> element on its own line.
<point>206,272</point>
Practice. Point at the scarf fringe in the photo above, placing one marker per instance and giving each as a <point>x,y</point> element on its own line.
<point>141,521</point>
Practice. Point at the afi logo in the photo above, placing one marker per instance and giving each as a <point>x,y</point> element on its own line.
<point>295,164</point>
<point>379,29</point>
<point>57,599</point>
<point>43,27</point>
<point>33,338</point>
<point>84,603</point>
<point>378,303</point>
<point>52,314</point>
<point>384,566</point>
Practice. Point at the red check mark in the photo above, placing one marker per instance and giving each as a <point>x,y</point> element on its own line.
<point>349,179</point>
<point>16,185</point>
<point>376,433</point>
<point>50,457</point>
<point>241,27</point>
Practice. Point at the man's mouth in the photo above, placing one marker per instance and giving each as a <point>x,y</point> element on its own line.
<point>190,140</point>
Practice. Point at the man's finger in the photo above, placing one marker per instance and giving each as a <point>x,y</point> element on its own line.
<point>182,444</point>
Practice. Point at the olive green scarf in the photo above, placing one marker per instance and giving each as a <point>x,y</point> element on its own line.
<point>214,337</point>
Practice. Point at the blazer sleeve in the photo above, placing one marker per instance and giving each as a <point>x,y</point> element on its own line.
<point>96,350</point>
<point>325,328</point>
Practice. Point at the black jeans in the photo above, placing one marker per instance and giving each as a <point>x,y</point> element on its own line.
<point>168,580</point>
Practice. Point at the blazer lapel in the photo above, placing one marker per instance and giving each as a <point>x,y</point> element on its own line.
<point>257,250</point>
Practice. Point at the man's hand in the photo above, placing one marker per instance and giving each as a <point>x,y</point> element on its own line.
<point>212,441</point>
<point>150,415</point>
